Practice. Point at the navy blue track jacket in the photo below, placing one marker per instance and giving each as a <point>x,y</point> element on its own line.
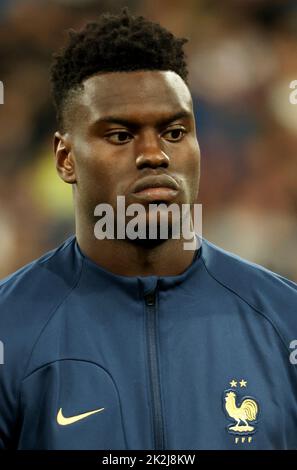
<point>94,360</point>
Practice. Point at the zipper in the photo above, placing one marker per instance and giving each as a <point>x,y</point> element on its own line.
<point>151,318</point>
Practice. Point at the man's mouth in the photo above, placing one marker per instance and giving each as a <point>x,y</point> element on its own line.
<point>156,194</point>
<point>161,188</point>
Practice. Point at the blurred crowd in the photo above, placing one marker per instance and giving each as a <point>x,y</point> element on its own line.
<point>242,58</point>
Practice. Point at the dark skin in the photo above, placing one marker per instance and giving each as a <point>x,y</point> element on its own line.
<point>152,132</point>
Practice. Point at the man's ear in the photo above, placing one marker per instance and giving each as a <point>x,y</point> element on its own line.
<point>64,159</point>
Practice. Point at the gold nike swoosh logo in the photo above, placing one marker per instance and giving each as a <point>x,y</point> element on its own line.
<point>72,419</point>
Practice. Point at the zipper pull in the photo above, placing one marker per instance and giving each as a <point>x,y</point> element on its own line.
<point>150,298</point>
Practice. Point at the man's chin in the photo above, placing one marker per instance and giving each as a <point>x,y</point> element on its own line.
<point>148,244</point>
<point>148,227</point>
<point>148,235</point>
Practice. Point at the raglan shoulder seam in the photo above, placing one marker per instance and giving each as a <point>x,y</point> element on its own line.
<point>256,309</point>
<point>40,261</point>
<point>43,328</point>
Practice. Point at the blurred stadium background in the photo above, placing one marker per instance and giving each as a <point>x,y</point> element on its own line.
<point>242,56</point>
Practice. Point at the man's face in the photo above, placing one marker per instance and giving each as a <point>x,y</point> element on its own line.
<point>127,126</point>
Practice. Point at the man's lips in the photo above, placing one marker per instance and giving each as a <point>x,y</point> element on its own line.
<point>156,188</point>
<point>157,181</point>
<point>156,194</point>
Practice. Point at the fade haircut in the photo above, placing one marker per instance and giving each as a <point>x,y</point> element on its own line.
<point>115,43</point>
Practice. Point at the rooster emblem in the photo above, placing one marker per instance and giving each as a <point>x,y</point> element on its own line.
<point>242,414</point>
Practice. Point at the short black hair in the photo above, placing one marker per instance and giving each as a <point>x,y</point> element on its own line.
<point>115,43</point>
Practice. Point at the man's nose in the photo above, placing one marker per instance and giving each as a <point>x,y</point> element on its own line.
<point>150,153</point>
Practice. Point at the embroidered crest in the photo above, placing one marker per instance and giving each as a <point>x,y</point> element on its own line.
<point>242,410</point>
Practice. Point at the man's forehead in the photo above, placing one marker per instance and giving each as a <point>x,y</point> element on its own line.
<point>135,92</point>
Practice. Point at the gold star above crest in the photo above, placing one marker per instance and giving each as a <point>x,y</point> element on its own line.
<point>233,383</point>
<point>243,383</point>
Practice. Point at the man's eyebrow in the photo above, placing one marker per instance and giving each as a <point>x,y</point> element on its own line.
<point>135,123</point>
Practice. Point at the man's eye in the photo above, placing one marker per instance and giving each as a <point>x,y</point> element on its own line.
<point>174,135</point>
<point>120,137</point>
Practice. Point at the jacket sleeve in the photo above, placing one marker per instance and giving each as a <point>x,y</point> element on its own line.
<point>13,358</point>
<point>8,399</point>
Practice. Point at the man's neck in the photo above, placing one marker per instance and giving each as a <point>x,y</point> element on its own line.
<point>128,258</point>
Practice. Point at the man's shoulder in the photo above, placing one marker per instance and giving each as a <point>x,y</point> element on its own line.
<point>40,284</point>
<point>270,294</point>
<point>241,274</point>
<point>28,299</point>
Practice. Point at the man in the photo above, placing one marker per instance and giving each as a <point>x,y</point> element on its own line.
<point>122,343</point>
